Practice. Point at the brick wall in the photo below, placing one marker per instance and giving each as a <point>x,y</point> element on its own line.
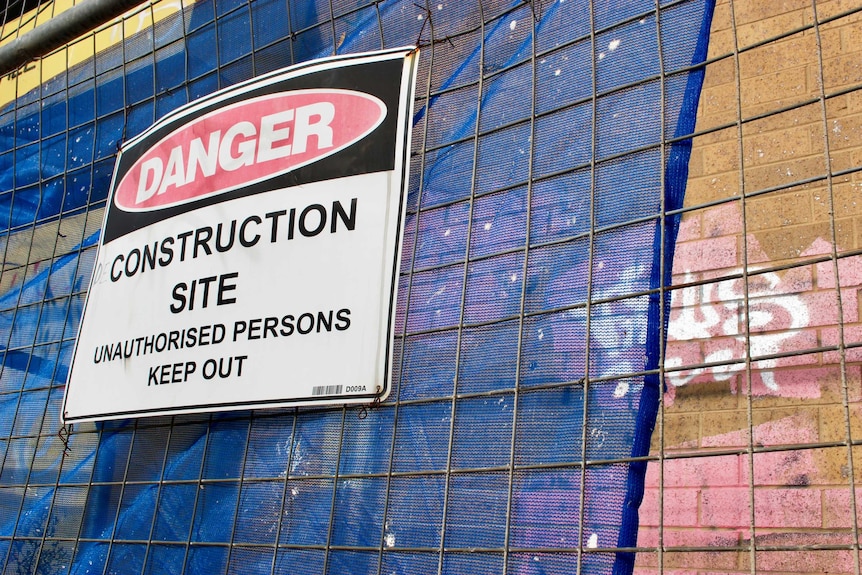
<point>794,490</point>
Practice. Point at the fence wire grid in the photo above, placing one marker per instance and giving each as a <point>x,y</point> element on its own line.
<point>628,331</point>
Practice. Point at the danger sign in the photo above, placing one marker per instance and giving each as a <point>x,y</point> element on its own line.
<point>249,254</point>
<point>246,143</point>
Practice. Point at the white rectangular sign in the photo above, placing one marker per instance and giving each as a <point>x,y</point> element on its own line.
<point>249,254</point>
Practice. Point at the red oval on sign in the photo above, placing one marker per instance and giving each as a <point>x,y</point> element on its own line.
<point>247,142</point>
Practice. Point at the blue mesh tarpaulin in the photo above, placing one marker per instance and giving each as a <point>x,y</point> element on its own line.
<point>549,140</point>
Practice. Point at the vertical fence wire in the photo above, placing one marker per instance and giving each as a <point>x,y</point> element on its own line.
<point>663,294</point>
<point>591,246</point>
<point>841,341</point>
<point>746,304</point>
<point>463,295</point>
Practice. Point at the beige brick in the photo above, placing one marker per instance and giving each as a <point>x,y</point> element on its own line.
<point>845,132</point>
<point>846,198</point>
<point>845,230</point>
<point>829,8</point>
<point>724,561</point>
<point>762,30</point>
<point>832,422</point>
<point>720,72</point>
<point>854,382</point>
<point>721,157</point>
<point>778,209</point>
<point>724,428</point>
<point>718,107</point>
<point>712,187</point>
<point>857,471</point>
<point>791,53</point>
<point>695,163</point>
<point>797,412</point>
<point>817,136</point>
<point>840,71</point>
<point>851,34</point>
<point>705,396</point>
<point>753,10</point>
<point>721,19</point>
<point>768,109</point>
<point>830,39</point>
<point>720,43</point>
<point>829,381</point>
<point>837,106</point>
<point>848,159</point>
<point>779,122</point>
<point>777,146</point>
<point>788,242</point>
<point>773,119</point>
<point>783,173</point>
<point>778,89</point>
<point>856,235</point>
<point>680,429</point>
<point>854,101</point>
<point>721,119</point>
<point>844,123</point>
<point>726,135</point>
<point>830,466</point>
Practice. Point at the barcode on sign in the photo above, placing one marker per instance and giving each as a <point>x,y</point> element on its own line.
<point>326,390</point>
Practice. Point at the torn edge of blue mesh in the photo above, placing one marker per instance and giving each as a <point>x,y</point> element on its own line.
<point>676,176</point>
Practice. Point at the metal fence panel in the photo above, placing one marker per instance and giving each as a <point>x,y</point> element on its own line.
<point>551,145</point>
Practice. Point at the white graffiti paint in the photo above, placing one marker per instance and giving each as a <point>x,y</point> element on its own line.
<point>718,310</point>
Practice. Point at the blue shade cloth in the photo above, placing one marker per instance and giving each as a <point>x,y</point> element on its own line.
<point>528,306</point>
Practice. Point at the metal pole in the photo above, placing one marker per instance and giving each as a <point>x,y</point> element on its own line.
<point>59,30</point>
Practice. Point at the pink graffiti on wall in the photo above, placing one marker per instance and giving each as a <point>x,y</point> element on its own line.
<point>789,312</point>
<point>790,316</point>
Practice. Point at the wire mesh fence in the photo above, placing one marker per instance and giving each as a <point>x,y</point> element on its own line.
<point>759,426</point>
<point>558,299</point>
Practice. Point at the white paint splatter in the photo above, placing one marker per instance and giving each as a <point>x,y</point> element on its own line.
<point>614,44</point>
<point>593,541</point>
<point>513,24</point>
<point>440,291</point>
